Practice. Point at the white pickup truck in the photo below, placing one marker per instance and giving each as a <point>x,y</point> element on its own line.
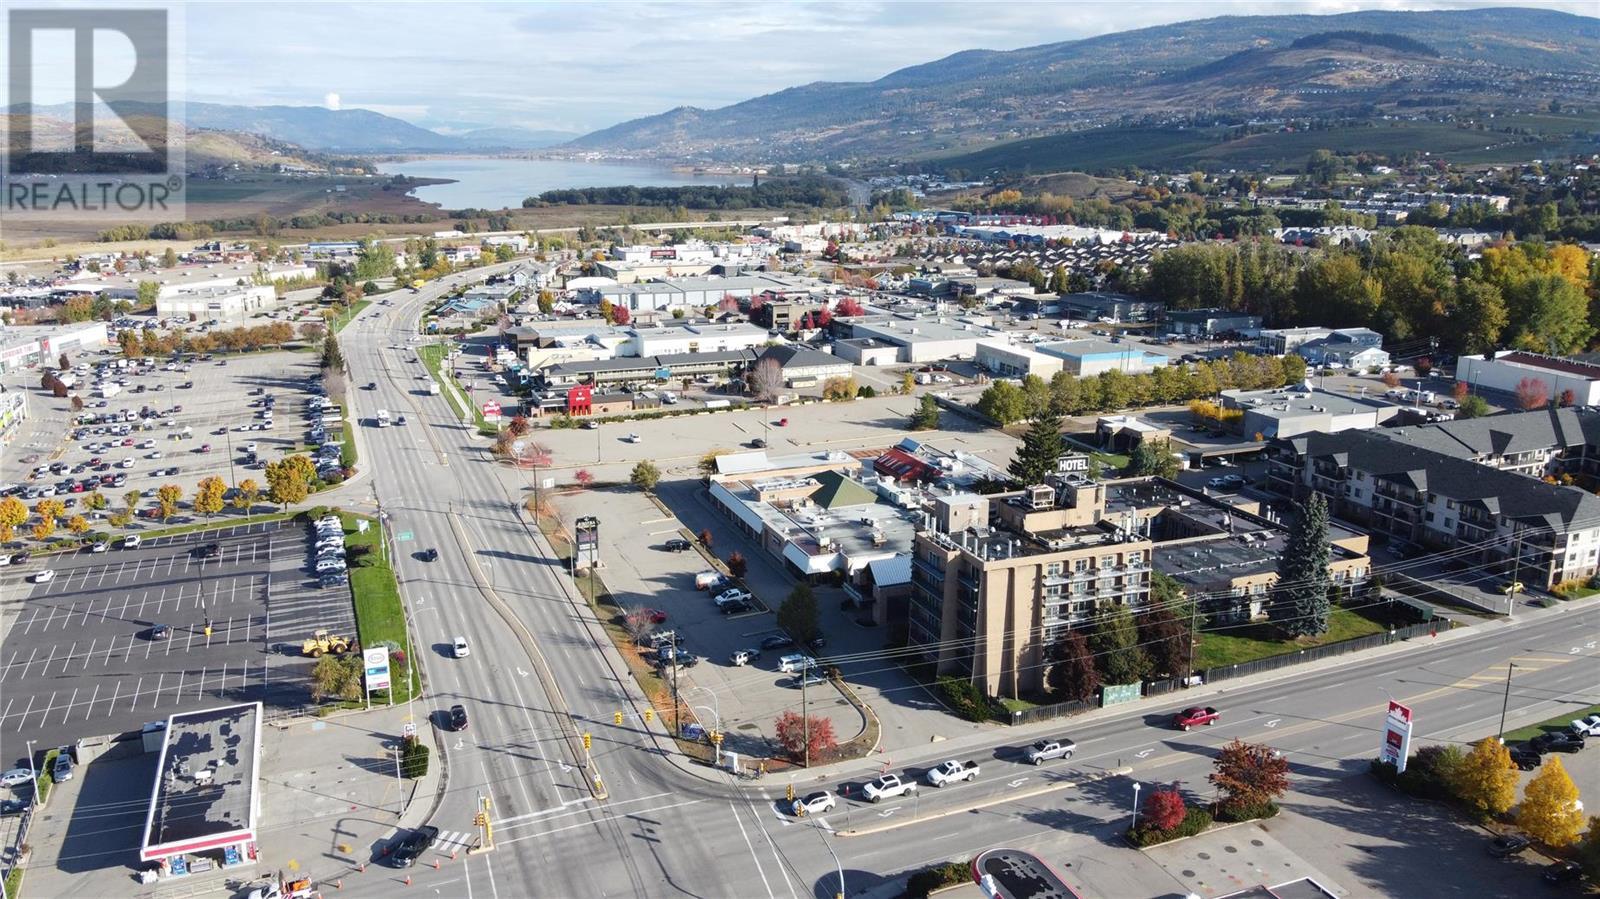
<point>952,771</point>
<point>888,786</point>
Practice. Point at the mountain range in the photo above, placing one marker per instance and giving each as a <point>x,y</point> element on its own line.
<point>1227,69</point>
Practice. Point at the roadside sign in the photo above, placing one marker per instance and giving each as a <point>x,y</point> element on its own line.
<point>403,536</point>
<point>1396,745</point>
<point>491,409</point>
<point>410,729</point>
<point>376,661</point>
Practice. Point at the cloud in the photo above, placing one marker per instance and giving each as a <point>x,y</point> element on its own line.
<point>330,100</point>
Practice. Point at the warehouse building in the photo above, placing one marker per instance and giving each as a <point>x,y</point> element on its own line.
<point>1509,368</point>
<point>228,303</point>
<point>1016,360</point>
<point>1290,411</point>
<point>1091,358</point>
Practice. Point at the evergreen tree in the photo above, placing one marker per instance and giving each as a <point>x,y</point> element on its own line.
<point>332,358</point>
<point>1116,646</point>
<point>1041,448</point>
<point>926,418</point>
<point>1073,675</point>
<point>1300,597</point>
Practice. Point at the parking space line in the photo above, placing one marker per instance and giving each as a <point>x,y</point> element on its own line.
<point>159,681</point>
<point>45,669</point>
<point>24,716</point>
<point>111,707</point>
<point>68,710</point>
<point>6,669</point>
<point>89,654</point>
<point>90,708</point>
<point>187,643</point>
<point>46,713</point>
<point>66,620</point>
<point>86,609</point>
<point>177,694</point>
<point>31,619</point>
<point>66,660</point>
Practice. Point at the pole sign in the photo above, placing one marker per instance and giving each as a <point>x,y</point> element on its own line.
<point>586,532</point>
<point>376,661</point>
<point>1396,736</point>
<point>491,410</point>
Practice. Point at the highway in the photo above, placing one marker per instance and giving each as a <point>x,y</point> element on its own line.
<point>663,830</point>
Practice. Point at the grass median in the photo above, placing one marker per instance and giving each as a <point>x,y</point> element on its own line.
<point>380,616</point>
<point>1560,722</point>
<point>432,356</point>
<point>337,323</point>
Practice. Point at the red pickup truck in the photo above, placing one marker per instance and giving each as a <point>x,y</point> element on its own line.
<point>1198,715</point>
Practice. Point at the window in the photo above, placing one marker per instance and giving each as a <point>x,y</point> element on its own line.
<point>1080,565</point>
<point>1108,561</point>
<point>1053,569</point>
<point>1450,504</point>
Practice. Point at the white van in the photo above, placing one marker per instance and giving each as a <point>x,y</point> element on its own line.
<point>790,664</point>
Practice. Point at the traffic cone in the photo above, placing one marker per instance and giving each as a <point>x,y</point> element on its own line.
<point>408,880</point>
<point>435,864</point>
<point>452,855</point>
<point>338,884</point>
<point>361,867</point>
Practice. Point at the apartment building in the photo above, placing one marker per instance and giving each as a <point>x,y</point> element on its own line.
<point>987,602</point>
<point>1485,516</point>
<point>1539,443</point>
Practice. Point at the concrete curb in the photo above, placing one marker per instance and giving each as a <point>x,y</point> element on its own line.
<point>986,802</point>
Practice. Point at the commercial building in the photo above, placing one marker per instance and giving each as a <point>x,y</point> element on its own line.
<point>204,806</point>
<point>1282,341</point>
<point>672,339</point>
<point>1211,322</point>
<point>26,346</point>
<point>693,293</point>
<point>1510,368</point>
<point>634,272</point>
<point>804,367</point>
<point>1348,348</point>
<point>1118,307</point>
<point>13,412</point>
<point>631,372</point>
<point>172,282</point>
<point>1485,516</point>
<point>925,338</point>
<point>1017,360</point>
<point>1091,358</point>
<point>1298,409</point>
<point>866,351</point>
<point>231,303</point>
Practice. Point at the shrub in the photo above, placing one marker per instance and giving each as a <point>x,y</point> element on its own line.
<point>965,698</point>
<point>920,884</point>
<point>414,758</point>
<point>1165,809</point>
<point>1195,821</point>
<point>1246,811</point>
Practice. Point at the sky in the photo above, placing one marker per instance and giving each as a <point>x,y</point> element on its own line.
<point>579,66</point>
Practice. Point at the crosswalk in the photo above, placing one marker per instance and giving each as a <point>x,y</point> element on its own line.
<point>450,841</point>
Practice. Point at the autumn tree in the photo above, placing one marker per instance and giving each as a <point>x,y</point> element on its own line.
<point>289,480</point>
<point>245,496</point>
<point>1390,379</point>
<point>208,496</point>
<point>1164,809</point>
<point>639,623</point>
<point>737,565</point>
<point>705,537</point>
<point>805,739</point>
<point>131,499</point>
<point>78,525</point>
<point>1550,811</point>
<point>1487,781</point>
<point>167,497</point>
<point>43,529</point>
<point>1459,390</point>
<point>50,510</point>
<point>1073,673</point>
<point>1250,776</point>
<point>645,476</point>
<point>584,477</point>
<point>766,380</point>
<point>1532,393</point>
<point>708,462</point>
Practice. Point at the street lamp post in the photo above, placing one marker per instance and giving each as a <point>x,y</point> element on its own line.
<point>38,798</point>
<point>1135,806</point>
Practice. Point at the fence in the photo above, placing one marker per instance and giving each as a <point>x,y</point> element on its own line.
<point>1270,663</point>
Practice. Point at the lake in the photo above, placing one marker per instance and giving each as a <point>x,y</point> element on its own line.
<point>490,183</point>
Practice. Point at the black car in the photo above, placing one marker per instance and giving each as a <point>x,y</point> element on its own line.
<point>336,579</point>
<point>208,551</point>
<point>458,717</point>
<point>430,555</point>
<point>159,632</point>
<point>19,558</point>
<point>1508,844</point>
<point>734,608</point>
<point>1525,757</point>
<point>13,806</point>
<point>777,641</point>
<point>1563,872</point>
<point>676,545</point>
<point>1558,741</point>
<point>411,848</point>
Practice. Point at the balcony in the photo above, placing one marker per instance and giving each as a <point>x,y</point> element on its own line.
<point>1407,497</point>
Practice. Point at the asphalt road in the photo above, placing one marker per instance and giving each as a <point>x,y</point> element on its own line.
<point>663,831</point>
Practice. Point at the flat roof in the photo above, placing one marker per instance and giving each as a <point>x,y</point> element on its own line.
<point>1273,403</point>
<point>205,790</point>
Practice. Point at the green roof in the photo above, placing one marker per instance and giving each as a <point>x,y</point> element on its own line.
<point>838,490</point>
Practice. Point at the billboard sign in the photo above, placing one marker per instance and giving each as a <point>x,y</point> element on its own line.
<point>586,540</point>
<point>1396,746</point>
<point>1072,463</point>
<point>376,661</point>
<point>491,410</point>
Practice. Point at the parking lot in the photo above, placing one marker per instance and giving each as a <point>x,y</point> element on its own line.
<point>80,657</point>
<point>184,434</point>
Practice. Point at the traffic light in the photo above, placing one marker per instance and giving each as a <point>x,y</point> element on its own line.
<point>649,715</point>
<point>616,718</point>
<point>480,819</point>
<point>587,739</point>
<point>788,792</point>
<point>716,737</point>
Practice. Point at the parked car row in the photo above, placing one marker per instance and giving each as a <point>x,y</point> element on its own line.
<point>328,558</point>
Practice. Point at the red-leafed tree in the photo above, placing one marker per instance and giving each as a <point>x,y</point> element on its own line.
<point>729,303</point>
<point>1423,366</point>
<point>1390,379</point>
<point>824,318</point>
<point>757,301</point>
<point>620,315</point>
<point>1568,397</point>
<point>584,477</point>
<point>805,323</point>
<point>850,306</point>
<point>1164,810</point>
<point>795,734</point>
<point>1250,775</point>
<point>737,565</point>
<point>1532,393</point>
<point>1460,391</point>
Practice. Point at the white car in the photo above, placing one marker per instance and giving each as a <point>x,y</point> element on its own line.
<point>460,649</point>
<point>131,541</point>
<point>100,546</point>
<point>1589,726</point>
<point>16,777</point>
<point>813,803</point>
<point>44,577</point>
<point>324,566</point>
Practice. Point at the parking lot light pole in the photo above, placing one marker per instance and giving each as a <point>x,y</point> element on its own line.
<point>1501,734</point>
<point>1135,806</point>
<point>38,798</point>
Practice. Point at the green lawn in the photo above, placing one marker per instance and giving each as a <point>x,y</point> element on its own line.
<point>1246,643</point>
<point>1559,722</point>
<point>338,322</point>
<point>380,617</point>
<point>432,357</point>
<point>347,449</point>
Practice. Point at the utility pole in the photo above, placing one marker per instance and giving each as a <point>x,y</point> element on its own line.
<point>1516,565</point>
<point>805,718</point>
<point>677,725</point>
<point>1510,666</point>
